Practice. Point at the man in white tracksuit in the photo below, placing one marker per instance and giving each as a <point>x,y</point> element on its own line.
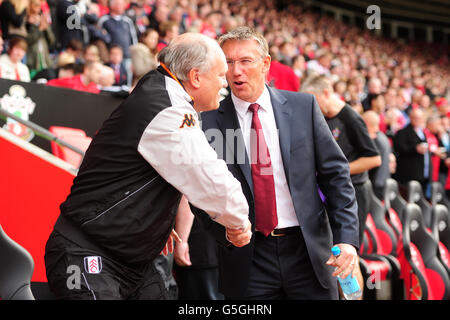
<point>149,152</point>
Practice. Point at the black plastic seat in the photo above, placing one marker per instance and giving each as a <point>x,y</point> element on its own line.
<point>420,249</point>
<point>438,195</point>
<point>440,227</point>
<point>415,195</point>
<point>16,270</point>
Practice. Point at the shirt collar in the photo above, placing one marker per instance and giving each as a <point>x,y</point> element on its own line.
<point>241,106</point>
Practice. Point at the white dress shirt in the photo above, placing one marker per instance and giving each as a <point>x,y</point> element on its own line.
<point>8,69</point>
<point>285,208</point>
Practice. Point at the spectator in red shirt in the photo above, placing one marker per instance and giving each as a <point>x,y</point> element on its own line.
<point>102,7</point>
<point>282,77</point>
<point>87,81</point>
<point>168,30</point>
<point>212,24</point>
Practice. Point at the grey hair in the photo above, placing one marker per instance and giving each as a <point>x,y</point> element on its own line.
<point>246,33</point>
<point>316,84</point>
<point>187,52</point>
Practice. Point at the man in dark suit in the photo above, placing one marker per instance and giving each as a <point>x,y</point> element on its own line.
<point>413,155</point>
<point>278,145</point>
<point>116,62</point>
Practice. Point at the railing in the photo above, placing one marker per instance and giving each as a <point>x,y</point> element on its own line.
<point>40,131</point>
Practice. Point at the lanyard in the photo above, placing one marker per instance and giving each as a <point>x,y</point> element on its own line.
<point>173,77</point>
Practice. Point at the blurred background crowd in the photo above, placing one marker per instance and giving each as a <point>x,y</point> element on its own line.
<point>101,45</point>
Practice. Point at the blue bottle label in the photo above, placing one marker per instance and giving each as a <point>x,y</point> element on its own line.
<point>349,285</point>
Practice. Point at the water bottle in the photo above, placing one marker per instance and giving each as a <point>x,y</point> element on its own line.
<point>350,286</point>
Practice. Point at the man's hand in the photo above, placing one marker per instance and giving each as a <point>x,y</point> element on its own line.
<point>181,254</point>
<point>346,262</point>
<point>168,248</point>
<point>239,237</point>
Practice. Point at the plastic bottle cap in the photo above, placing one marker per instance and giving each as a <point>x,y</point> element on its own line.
<point>336,251</point>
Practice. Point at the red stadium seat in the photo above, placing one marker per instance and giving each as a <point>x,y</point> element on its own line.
<point>395,204</point>
<point>386,240</point>
<point>73,136</point>
<point>378,262</point>
<point>424,276</point>
<point>71,156</point>
<point>385,233</point>
<point>62,132</point>
<point>440,227</point>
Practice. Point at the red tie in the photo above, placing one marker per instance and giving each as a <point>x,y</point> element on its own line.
<point>117,72</point>
<point>17,73</point>
<point>262,174</point>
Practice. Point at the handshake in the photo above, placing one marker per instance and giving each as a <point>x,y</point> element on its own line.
<point>239,237</point>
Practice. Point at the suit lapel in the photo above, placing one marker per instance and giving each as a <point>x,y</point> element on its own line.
<point>283,116</point>
<point>227,120</point>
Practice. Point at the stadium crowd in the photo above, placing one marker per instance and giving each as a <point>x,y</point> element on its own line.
<point>107,46</point>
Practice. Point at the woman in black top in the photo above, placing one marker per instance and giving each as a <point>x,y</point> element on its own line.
<point>13,18</point>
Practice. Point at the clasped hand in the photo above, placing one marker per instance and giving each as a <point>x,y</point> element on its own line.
<point>239,237</point>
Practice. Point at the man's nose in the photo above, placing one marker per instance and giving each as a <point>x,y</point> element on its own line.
<point>224,83</point>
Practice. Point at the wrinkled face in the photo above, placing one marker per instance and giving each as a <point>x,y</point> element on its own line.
<point>211,82</point>
<point>247,69</point>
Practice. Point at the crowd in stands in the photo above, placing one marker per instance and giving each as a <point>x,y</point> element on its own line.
<point>100,45</point>
<point>400,88</point>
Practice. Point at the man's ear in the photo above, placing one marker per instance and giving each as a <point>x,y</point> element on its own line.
<point>266,62</point>
<point>194,78</point>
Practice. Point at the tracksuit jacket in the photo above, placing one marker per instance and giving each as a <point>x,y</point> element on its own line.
<point>149,152</point>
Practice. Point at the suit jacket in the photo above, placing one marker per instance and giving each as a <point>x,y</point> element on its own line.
<point>410,163</point>
<point>311,158</point>
<point>123,77</point>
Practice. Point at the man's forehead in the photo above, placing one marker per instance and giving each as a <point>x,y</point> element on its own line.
<point>239,50</point>
<point>241,42</point>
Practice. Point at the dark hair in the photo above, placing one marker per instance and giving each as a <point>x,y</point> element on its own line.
<point>115,46</point>
<point>373,96</point>
<point>75,45</point>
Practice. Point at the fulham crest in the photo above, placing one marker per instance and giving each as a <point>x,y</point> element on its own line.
<point>93,264</point>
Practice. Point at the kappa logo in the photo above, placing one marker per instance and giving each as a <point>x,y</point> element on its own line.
<point>93,264</point>
<point>188,121</point>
